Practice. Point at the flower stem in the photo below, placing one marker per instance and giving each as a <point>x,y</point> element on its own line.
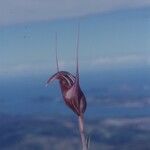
<point>82,133</point>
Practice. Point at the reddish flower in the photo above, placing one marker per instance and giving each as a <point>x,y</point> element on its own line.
<point>71,91</point>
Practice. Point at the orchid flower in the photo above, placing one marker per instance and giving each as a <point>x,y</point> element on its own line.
<point>72,94</point>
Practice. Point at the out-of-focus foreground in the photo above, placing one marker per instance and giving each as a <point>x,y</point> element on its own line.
<point>47,133</point>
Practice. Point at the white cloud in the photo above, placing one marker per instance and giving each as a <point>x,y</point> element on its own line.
<point>28,69</point>
<point>19,11</point>
<point>121,60</point>
<point>24,69</point>
<point>103,62</point>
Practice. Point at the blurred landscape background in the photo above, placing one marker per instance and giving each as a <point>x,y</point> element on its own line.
<point>117,115</point>
<point>114,58</point>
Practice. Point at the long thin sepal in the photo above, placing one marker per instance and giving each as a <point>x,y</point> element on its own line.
<point>77,53</point>
<point>56,54</point>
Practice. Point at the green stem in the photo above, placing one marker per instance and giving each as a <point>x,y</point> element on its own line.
<point>82,133</point>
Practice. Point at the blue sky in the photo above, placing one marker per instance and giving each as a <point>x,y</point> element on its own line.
<point>116,34</point>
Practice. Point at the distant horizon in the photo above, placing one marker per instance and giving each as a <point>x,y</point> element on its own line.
<point>107,91</point>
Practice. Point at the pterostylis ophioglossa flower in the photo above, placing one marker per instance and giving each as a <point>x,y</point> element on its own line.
<point>72,94</point>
